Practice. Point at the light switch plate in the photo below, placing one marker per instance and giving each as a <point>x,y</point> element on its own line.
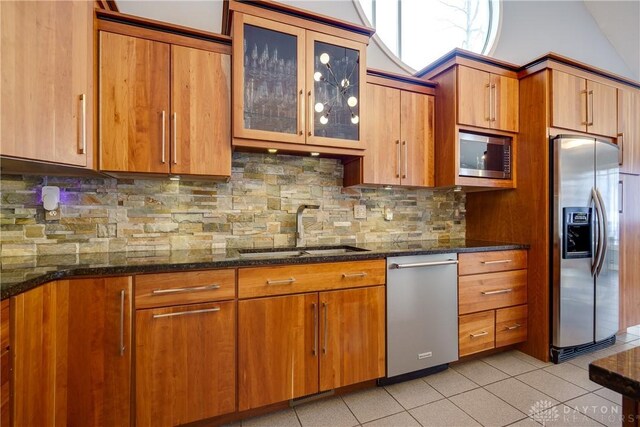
<point>388,214</point>
<point>360,211</point>
<point>53,215</point>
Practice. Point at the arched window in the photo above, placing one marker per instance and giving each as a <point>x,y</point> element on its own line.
<point>417,32</point>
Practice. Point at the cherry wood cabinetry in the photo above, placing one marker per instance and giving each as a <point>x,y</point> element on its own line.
<point>629,250</point>
<point>629,130</point>
<point>164,108</point>
<point>492,300</point>
<point>399,134</point>
<point>71,353</point>
<point>5,363</point>
<point>47,82</point>
<point>295,345</point>
<point>487,100</point>
<point>583,105</point>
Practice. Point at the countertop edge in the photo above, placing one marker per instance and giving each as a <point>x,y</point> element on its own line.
<point>614,381</point>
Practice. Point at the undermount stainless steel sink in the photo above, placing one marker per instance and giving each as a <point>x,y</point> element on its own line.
<point>298,252</point>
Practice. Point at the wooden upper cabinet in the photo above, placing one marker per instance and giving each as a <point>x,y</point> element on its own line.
<point>269,98</point>
<point>71,353</point>
<point>629,130</point>
<point>200,112</point>
<point>134,104</point>
<point>352,336</point>
<point>185,363</point>
<point>417,139</point>
<point>583,105</point>
<point>487,100</point>
<point>47,81</point>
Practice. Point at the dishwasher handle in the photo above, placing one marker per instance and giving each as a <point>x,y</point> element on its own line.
<point>423,264</point>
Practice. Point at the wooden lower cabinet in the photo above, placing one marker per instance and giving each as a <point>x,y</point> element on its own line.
<point>185,363</point>
<point>476,332</point>
<point>511,325</point>
<point>293,346</point>
<point>5,365</point>
<point>71,353</point>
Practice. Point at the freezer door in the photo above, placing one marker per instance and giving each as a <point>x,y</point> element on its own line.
<point>572,282</point>
<point>607,180</point>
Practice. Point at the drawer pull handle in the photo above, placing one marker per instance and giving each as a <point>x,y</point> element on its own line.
<point>498,261</point>
<point>178,290</point>
<point>315,329</point>
<point>423,264</point>
<point>511,328</point>
<point>497,291</point>
<point>182,313</point>
<point>353,275</point>
<point>281,282</point>
<point>479,334</point>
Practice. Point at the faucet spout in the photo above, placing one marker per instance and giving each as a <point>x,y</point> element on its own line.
<point>299,225</point>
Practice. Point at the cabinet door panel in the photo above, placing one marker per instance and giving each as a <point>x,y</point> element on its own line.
<point>569,101</point>
<point>201,112</point>
<point>47,58</point>
<point>603,107</point>
<point>134,104</point>
<point>277,337</point>
<point>185,363</point>
<point>352,339</point>
<point>382,136</point>
<point>505,103</point>
<point>629,249</point>
<point>473,97</point>
<point>417,133</point>
<point>629,130</point>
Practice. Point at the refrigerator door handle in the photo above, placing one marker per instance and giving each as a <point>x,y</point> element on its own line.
<point>604,232</point>
<point>598,248</point>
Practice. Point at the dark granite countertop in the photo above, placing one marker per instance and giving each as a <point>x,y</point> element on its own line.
<point>19,274</point>
<point>619,372</point>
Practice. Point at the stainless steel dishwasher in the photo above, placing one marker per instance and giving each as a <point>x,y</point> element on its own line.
<point>422,314</point>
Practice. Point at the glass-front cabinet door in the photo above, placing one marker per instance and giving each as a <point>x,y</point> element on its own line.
<point>335,90</point>
<point>268,80</point>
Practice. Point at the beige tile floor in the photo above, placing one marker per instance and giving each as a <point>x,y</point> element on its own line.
<point>506,389</point>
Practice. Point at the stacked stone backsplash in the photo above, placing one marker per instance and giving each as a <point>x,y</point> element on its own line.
<point>256,208</point>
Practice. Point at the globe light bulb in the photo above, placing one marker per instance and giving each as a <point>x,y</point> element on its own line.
<point>319,107</point>
<point>324,120</point>
<point>355,119</point>
<point>352,101</point>
<point>317,76</point>
<point>344,83</point>
<point>324,58</point>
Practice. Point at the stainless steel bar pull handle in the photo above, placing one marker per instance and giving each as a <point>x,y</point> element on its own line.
<point>620,196</point>
<point>494,90</point>
<point>178,290</point>
<point>586,106</point>
<point>590,94</point>
<point>175,138</point>
<point>164,116</point>
<point>406,160</point>
<point>315,329</point>
<point>281,282</point>
<point>325,305</point>
<point>182,313</point>
<point>605,232</point>
<point>513,327</point>
<point>300,112</point>
<point>122,298</point>
<point>620,149</point>
<point>311,123</point>
<point>488,87</point>
<point>399,159</point>
<point>479,334</point>
<point>598,225</point>
<point>497,291</point>
<point>353,275</point>
<point>498,261</point>
<point>83,124</point>
<point>424,264</point>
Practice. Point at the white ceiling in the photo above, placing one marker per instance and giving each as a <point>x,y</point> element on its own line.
<point>617,20</point>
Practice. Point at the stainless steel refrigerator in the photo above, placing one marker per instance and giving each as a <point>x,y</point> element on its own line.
<point>584,246</point>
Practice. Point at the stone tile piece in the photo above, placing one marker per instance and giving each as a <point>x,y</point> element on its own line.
<point>486,408</point>
<point>573,374</point>
<point>598,408</point>
<point>442,413</point>
<point>525,422</point>
<point>285,418</point>
<point>531,360</point>
<point>450,382</point>
<point>403,419</point>
<point>327,412</point>
<point>551,385</point>
<point>480,372</point>
<point>413,393</point>
<point>372,404</point>
<point>609,395</point>
<point>508,363</point>
<point>626,337</point>
<point>523,397</point>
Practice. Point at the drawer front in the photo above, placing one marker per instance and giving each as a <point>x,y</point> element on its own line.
<point>4,325</point>
<point>164,289</point>
<point>476,332</point>
<point>289,279</point>
<point>489,262</point>
<point>511,325</point>
<point>488,291</point>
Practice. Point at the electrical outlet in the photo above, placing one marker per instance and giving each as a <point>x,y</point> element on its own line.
<point>360,211</point>
<point>388,214</point>
<point>53,215</point>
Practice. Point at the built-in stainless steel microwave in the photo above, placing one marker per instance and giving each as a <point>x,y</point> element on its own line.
<point>485,156</point>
